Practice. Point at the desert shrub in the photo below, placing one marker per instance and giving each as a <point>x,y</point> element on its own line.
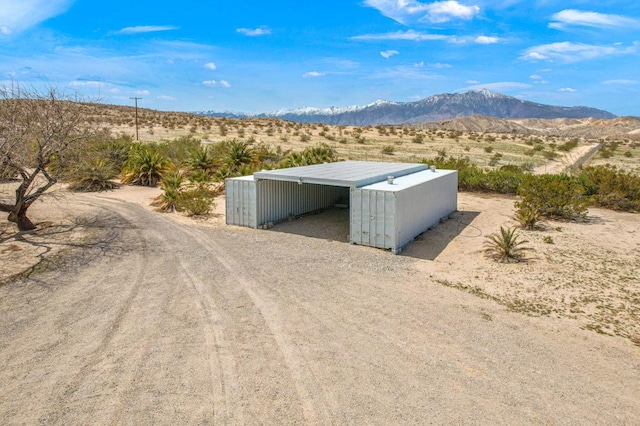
<point>321,153</point>
<point>553,196</point>
<point>569,145</point>
<point>178,150</point>
<point>92,175</point>
<point>145,166</point>
<point>505,246</point>
<point>195,202</point>
<point>419,138</point>
<point>527,216</point>
<point>388,149</point>
<point>168,200</point>
<point>611,187</point>
<point>201,160</point>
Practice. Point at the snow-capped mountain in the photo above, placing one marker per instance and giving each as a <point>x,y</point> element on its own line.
<point>434,108</point>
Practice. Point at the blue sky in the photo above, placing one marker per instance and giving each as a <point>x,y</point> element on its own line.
<point>259,56</point>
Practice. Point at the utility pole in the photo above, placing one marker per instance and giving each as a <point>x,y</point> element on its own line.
<point>136,100</point>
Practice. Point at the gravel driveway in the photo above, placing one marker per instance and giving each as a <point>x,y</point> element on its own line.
<point>161,322</point>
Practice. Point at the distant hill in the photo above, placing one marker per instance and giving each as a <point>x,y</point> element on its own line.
<point>434,108</point>
<point>572,127</point>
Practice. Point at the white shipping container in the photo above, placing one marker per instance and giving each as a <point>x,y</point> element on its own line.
<point>390,215</point>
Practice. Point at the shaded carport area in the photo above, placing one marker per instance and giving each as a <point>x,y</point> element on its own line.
<point>270,197</point>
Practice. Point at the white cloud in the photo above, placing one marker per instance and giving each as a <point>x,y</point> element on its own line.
<point>440,65</point>
<point>403,35</point>
<point>486,40</point>
<point>388,53</point>
<point>254,32</point>
<point>406,11</point>
<point>142,93</point>
<point>572,17</point>
<point>572,52</point>
<point>621,81</point>
<point>165,98</point>
<point>86,83</point>
<point>444,11</point>
<point>536,77</point>
<point>419,64</point>
<point>213,83</point>
<point>19,15</point>
<point>499,86</point>
<point>210,66</point>
<point>141,29</point>
<point>312,74</point>
<point>567,89</point>
<point>472,82</point>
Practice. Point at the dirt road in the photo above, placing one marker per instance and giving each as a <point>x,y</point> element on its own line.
<point>161,322</point>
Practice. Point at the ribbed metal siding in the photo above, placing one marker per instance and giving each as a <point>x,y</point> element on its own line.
<point>390,220</point>
<point>422,206</point>
<point>373,216</point>
<point>277,200</point>
<point>241,202</point>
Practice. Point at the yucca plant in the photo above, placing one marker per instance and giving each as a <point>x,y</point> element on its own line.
<point>92,176</point>
<point>527,216</point>
<point>145,167</point>
<point>238,153</point>
<point>505,246</point>
<point>168,200</point>
<point>201,159</point>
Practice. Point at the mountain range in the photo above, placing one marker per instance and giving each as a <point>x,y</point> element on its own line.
<point>445,106</point>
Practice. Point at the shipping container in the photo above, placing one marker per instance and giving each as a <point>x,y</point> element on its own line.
<point>390,214</point>
<point>390,203</point>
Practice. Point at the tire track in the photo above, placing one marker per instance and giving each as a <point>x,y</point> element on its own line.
<point>308,390</point>
<point>221,368</point>
<point>97,355</point>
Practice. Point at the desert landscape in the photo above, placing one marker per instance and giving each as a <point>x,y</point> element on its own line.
<point>114,311</point>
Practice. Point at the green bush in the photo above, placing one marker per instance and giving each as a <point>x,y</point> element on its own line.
<point>553,196</point>
<point>611,187</point>
<point>195,202</point>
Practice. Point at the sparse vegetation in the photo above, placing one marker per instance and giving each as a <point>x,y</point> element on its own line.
<point>505,246</point>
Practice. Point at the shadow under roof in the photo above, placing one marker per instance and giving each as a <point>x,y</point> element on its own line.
<point>352,174</point>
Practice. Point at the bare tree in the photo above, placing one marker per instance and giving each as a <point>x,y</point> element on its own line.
<point>36,128</point>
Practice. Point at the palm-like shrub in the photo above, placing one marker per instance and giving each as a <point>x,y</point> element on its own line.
<point>92,176</point>
<point>168,200</point>
<point>145,167</point>
<point>321,153</point>
<point>527,216</point>
<point>202,160</point>
<point>238,153</point>
<point>505,246</point>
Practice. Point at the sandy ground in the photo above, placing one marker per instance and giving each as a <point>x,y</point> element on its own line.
<point>141,317</point>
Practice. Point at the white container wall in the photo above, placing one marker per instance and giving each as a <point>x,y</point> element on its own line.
<point>390,215</point>
<point>240,201</point>
<point>253,203</point>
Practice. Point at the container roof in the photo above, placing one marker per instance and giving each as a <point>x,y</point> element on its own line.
<point>343,173</point>
<point>408,181</point>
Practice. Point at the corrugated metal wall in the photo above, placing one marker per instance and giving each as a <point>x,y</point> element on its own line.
<point>240,200</point>
<point>422,206</point>
<point>391,219</point>
<point>373,218</point>
<point>277,200</point>
<point>253,203</point>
